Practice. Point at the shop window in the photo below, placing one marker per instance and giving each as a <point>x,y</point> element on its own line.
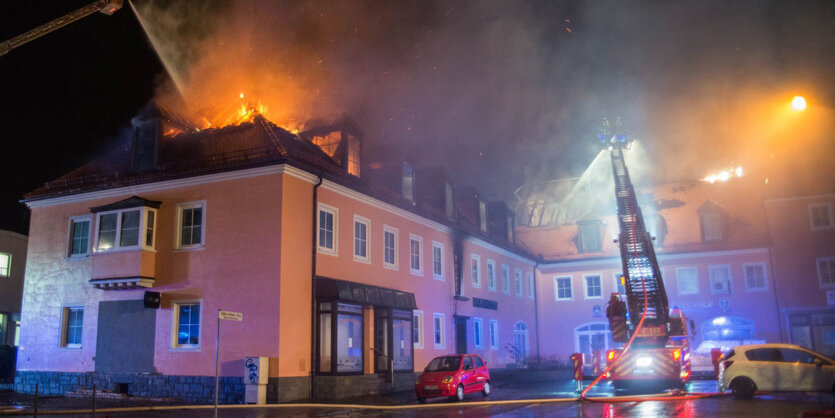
<point>728,328</point>
<point>341,346</point>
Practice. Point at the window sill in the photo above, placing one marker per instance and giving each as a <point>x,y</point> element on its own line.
<point>439,278</point>
<point>326,251</point>
<point>78,257</point>
<point>391,267</point>
<point>118,250</point>
<point>563,300</point>
<point>362,260</point>
<point>70,347</point>
<point>187,249</point>
<point>196,348</point>
<point>416,273</point>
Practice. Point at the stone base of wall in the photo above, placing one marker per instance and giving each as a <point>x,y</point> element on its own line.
<point>194,389</point>
<point>343,387</point>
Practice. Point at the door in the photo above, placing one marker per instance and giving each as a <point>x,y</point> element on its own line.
<point>469,377</point>
<point>767,368</point>
<point>382,328</point>
<point>461,334</point>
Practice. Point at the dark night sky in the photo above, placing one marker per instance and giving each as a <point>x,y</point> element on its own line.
<point>498,92</point>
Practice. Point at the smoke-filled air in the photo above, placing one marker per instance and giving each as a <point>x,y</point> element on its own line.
<point>502,93</point>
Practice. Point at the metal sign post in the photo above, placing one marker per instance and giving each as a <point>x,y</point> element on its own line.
<point>229,316</point>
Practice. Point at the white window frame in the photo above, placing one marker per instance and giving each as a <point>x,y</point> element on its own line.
<point>505,279</point>
<point>529,278</point>
<point>494,334</point>
<point>72,221</point>
<point>178,235</point>
<point>710,271</point>
<point>475,275</point>
<point>745,277</point>
<point>557,288</point>
<point>439,246</point>
<point>64,318</point>
<point>6,271</point>
<point>393,231</point>
<point>832,273</point>
<point>335,213</point>
<point>367,222</point>
<point>586,285</point>
<point>491,275</point>
<point>143,220</point>
<point>417,319</point>
<point>517,282</point>
<point>678,280</point>
<point>828,207</point>
<point>175,322</point>
<point>478,333</point>
<point>416,238</point>
<point>442,333</point>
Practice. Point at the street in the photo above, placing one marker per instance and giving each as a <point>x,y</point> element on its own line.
<point>541,400</point>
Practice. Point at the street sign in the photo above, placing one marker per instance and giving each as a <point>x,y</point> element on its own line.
<point>231,316</point>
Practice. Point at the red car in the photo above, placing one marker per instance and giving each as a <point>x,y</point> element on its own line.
<point>453,376</point>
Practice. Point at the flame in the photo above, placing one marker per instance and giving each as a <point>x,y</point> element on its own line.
<point>724,175</point>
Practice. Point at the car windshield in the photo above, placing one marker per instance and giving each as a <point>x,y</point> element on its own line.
<point>443,364</point>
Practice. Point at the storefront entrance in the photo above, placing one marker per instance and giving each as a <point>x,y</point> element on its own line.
<point>814,330</point>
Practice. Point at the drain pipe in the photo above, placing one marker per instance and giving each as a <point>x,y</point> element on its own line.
<point>536,307</point>
<point>313,287</point>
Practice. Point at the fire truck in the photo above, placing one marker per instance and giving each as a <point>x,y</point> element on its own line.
<point>657,354</point>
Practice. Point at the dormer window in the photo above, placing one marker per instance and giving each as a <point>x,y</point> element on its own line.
<point>588,236</point>
<point>482,215</point>
<point>126,225</point>
<point>711,220</point>
<point>449,200</point>
<point>354,150</point>
<point>408,182</point>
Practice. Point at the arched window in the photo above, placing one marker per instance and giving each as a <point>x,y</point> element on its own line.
<point>592,336</point>
<point>520,338</point>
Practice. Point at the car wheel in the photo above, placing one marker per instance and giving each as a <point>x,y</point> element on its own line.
<point>743,388</point>
<point>486,391</point>
<point>421,399</point>
<point>459,394</point>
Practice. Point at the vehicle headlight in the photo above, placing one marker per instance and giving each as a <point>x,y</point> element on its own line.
<point>447,379</point>
<point>643,361</point>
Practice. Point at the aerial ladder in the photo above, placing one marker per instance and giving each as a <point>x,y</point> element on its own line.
<point>657,353</point>
<point>107,7</point>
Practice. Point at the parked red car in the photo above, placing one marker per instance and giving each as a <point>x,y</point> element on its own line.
<point>453,376</point>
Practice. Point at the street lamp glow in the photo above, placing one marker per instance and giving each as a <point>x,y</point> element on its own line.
<point>798,103</point>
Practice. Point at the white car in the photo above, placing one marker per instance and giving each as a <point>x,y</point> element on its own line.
<point>775,367</point>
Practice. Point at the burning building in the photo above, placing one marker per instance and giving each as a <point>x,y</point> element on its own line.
<point>341,271</point>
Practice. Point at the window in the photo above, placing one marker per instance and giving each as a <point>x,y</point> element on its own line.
<point>494,334</point>
<point>475,270</point>
<point>191,223</point>
<point>826,271</point>
<point>620,282</point>
<point>402,342</point>
<point>361,239</point>
<point>505,279</point>
<point>5,264</point>
<point>491,275</point>
<point>517,281</point>
<point>593,286</point>
<point>588,240</point>
<point>520,339</point>
<point>720,279</point>
<point>415,255</point>
<point>820,216</point>
<point>530,285</point>
<point>478,332</point>
<point>482,215</point>
<point>120,230</point>
<point>389,247</point>
<point>341,349</point>
<point>438,260</point>
<point>417,328</point>
<point>688,281</point>
<point>449,203</point>
<point>438,331</point>
<point>186,325</point>
<point>562,288</point>
<point>408,183</point>
<point>711,226</point>
<point>354,165</point>
<point>327,229</point>
<point>754,277</point>
<point>72,321</point>
<point>79,237</point>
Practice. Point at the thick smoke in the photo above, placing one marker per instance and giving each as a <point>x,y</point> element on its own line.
<point>507,92</point>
